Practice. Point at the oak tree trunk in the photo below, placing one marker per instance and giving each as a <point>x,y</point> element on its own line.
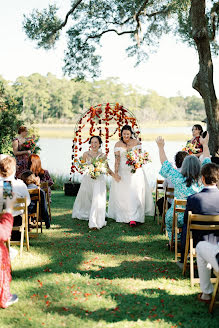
<point>203,81</point>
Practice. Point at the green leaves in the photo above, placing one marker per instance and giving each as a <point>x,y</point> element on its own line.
<point>43,26</point>
<point>10,108</point>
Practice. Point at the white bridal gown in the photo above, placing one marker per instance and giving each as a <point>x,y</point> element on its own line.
<point>90,203</point>
<point>130,199</point>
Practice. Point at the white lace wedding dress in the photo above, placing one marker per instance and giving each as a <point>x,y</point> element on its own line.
<point>90,203</point>
<point>130,199</point>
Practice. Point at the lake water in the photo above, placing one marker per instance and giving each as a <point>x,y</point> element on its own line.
<point>56,156</point>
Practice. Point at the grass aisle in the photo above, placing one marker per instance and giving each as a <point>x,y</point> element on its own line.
<point>115,277</point>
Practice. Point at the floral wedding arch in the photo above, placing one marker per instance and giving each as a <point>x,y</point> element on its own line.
<point>104,120</point>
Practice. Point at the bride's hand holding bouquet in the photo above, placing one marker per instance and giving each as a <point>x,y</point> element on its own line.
<point>136,159</point>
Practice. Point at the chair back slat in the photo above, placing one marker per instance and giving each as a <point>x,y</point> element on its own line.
<point>204,227</point>
<point>202,223</point>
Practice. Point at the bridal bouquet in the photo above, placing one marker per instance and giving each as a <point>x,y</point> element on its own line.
<point>94,168</point>
<point>191,149</point>
<point>30,144</point>
<point>136,159</point>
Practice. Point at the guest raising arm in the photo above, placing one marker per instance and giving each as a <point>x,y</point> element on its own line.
<point>186,182</point>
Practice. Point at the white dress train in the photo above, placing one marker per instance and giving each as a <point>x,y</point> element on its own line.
<point>90,203</point>
<point>130,199</point>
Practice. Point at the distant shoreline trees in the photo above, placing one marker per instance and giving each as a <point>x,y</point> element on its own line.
<point>48,99</point>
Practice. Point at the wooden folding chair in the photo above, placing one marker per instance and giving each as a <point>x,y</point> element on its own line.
<point>197,222</point>
<point>168,194</point>
<point>45,187</point>
<point>179,207</point>
<point>21,205</point>
<point>35,196</point>
<point>216,290</point>
<point>159,188</point>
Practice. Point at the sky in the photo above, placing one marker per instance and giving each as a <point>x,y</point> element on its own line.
<point>169,72</point>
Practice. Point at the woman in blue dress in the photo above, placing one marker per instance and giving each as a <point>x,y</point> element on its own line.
<point>187,182</point>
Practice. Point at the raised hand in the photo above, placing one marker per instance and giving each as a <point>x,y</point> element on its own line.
<point>160,141</point>
<point>204,141</point>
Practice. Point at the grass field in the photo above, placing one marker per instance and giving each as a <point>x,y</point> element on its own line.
<point>117,277</point>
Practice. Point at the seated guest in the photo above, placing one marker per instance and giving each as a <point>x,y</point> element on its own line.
<point>6,224</point>
<point>207,258</point>
<point>186,182</point>
<point>32,183</point>
<point>34,165</point>
<point>7,173</point>
<point>205,202</point>
<point>179,158</point>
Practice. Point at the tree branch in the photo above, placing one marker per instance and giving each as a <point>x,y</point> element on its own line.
<point>109,30</point>
<point>67,16</point>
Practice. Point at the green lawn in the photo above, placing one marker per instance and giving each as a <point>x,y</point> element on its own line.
<point>115,277</point>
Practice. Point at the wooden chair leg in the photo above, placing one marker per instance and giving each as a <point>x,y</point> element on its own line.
<point>49,207</point>
<point>155,210</point>
<point>22,241</point>
<point>214,296</point>
<point>191,263</point>
<point>173,230</point>
<point>176,241</point>
<point>185,259</point>
<point>27,234</point>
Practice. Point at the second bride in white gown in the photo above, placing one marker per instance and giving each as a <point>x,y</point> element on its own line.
<point>90,203</point>
<point>130,199</point>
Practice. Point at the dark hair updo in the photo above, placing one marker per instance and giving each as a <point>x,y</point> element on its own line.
<point>22,129</point>
<point>126,128</point>
<point>98,138</point>
<point>198,127</point>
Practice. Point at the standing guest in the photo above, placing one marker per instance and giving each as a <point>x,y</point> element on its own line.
<point>196,134</point>
<point>34,165</point>
<point>186,182</point>
<point>6,224</point>
<point>179,158</point>
<point>205,202</point>
<point>20,155</point>
<point>130,196</point>
<point>207,253</point>
<point>32,183</point>
<point>7,173</point>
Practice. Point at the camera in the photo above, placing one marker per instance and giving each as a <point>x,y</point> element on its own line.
<point>7,192</point>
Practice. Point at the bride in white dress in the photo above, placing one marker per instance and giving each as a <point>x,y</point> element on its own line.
<point>130,199</point>
<point>90,203</point>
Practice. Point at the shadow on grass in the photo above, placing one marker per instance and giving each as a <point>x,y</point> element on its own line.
<point>154,305</point>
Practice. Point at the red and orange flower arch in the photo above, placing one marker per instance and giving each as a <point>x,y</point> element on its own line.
<point>100,118</point>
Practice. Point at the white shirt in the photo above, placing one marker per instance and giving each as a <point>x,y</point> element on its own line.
<point>18,187</point>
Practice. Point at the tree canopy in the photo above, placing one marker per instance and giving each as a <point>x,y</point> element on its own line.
<point>87,22</point>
